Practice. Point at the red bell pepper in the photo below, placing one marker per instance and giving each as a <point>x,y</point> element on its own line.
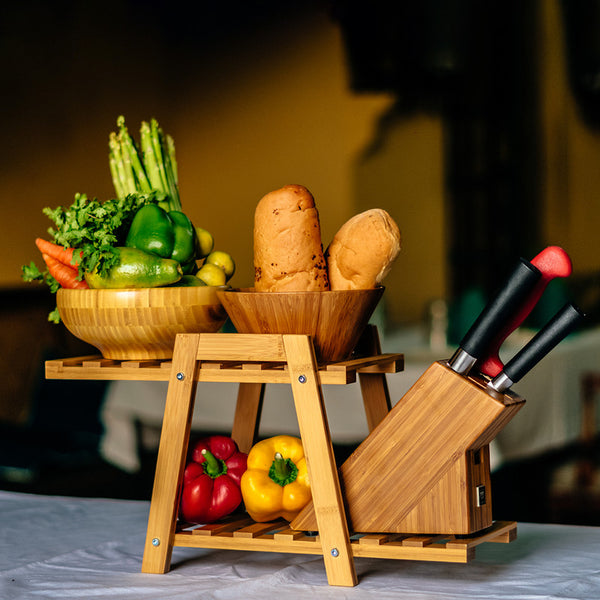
<point>211,481</point>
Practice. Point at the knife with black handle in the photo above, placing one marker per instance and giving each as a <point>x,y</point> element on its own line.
<point>563,323</point>
<point>494,316</point>
<point>552,262</point>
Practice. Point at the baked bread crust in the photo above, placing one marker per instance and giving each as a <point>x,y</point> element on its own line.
<point>288,251</point>
<point>363,250</point>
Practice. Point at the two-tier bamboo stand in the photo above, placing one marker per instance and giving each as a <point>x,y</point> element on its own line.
<point>253,361</point>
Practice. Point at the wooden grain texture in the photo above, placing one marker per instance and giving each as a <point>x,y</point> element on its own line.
<point>418,453</point>
<point>236,368</point>
<point>275,537</point>
<point>322,471</point>
<point>502,532</point>
<point>224,526</point>
<point>334,319</point>
<point>246,420</point>
<point>140,323</point>
<point>172,453</point>
<point>242,347</point>
<point>450,505</point>
<point>373,386</point>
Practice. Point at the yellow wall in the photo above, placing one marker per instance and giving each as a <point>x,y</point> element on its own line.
<point>570,155</point>
<point>265,118</point>
<point>276,108</point>
<point>405,176</point>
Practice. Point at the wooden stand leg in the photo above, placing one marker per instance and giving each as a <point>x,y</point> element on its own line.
<point>373,386</point>
<point>247,414</point>
<point>171,458</point>
<point>376,397</point>
<point>325,485</point>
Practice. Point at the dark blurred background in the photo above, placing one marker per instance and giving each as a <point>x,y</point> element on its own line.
<point>476,125</point>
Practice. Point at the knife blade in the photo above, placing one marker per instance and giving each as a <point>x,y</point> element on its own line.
<point>494,316</point>
<point>552,262</point>
<point>563,323</point>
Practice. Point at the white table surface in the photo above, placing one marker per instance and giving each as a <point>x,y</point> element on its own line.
<point>55,547</point>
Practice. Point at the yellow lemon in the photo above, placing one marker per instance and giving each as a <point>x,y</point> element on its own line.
<point>223,260</point>
<point>211,274</point>
<point>205,242</point>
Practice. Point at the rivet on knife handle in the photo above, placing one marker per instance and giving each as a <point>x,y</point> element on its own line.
<point>493,317</point>
<point>563,323</point>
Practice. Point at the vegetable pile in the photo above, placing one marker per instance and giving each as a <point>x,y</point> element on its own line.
<point>271,481</point>
<point>141,238</point>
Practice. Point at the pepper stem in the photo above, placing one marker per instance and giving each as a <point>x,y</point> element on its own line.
<point>283,470</point>
<point>213,467</point>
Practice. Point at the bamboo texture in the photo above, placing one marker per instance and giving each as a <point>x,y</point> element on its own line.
<point>142,323</point>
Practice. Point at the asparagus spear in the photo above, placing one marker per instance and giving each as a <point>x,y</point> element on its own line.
<point>131,158</point>
<point>171,180</point>
<point>149,157</point>
<point>114,171</point>
<point>117,166</point>
<point>172,159</point>
<point>160,161</point>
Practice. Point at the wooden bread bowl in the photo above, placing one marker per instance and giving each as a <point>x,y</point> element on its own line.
<point>334,319</point>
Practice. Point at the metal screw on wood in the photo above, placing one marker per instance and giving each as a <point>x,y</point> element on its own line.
<point>335,552</point>
<point>156,542</point>
<point>180,376</point>
<point>302,379</point>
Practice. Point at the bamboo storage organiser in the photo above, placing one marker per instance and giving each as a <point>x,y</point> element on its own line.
<point>447,485</point>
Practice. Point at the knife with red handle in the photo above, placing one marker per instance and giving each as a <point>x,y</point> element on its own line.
<point>563,323</point>
<point>551,262</point>
<point>500,310</point>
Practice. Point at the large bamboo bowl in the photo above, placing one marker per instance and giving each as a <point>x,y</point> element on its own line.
<point>135,324</point>
<point>334,319</point>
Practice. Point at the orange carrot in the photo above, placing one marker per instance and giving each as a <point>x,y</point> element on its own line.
<point>63,255</point>
<point>64,274</point>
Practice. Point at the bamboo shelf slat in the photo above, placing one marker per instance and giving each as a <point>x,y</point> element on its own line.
<point>277,536</point>
<point>98,368</point>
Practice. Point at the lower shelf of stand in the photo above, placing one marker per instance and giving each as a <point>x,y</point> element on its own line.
<point>245,534</point>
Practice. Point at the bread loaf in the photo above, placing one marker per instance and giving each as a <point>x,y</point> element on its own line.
<point>288,251</point>
<point>363,250</point>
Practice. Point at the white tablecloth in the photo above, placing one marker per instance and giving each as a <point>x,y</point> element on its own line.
<point>53,547</point>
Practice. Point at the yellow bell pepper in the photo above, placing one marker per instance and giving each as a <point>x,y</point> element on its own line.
<point>275,483</point>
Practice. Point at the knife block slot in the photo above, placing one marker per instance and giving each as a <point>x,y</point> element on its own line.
<point>426,468</point>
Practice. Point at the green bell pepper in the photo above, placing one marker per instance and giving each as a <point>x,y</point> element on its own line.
<point>165,234</point>
<point>184,246</point>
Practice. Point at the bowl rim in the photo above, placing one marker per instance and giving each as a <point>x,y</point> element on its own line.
<point>144,290</point>
<point>251,290</point>
<point>131,298</point>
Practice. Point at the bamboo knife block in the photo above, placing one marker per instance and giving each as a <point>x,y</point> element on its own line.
<point>425,467</point>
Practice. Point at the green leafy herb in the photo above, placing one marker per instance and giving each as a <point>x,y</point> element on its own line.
<point>96,227</point>
<point>31,272</point>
